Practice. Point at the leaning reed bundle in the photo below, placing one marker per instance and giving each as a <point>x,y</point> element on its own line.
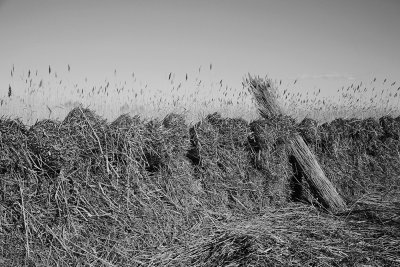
<point>326,193</point>
<point>265,94</point>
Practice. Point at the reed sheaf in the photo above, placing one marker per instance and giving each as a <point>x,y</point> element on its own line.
<point>219,192</point>
<point>324,191</point>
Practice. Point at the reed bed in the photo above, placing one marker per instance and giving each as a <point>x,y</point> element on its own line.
<point>36,94</point>
<point>159,191</point>
<point>140,192</point>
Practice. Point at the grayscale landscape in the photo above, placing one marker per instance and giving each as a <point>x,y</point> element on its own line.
<point>199,133</point>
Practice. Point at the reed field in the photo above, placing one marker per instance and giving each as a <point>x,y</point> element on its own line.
<point>196,179</point>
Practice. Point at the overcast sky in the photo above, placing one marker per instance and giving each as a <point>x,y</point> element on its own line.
<point>315,40</point>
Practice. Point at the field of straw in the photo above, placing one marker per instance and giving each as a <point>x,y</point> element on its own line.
<point>219,192</point>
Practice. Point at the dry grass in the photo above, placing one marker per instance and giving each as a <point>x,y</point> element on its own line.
<point>159,192</point>
<point>296,235</point>
<point>134,192</point>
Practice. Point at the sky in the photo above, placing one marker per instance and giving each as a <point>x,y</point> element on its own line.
<point>320,43</point>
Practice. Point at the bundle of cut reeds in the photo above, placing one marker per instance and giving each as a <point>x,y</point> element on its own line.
<point>265,94</point>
